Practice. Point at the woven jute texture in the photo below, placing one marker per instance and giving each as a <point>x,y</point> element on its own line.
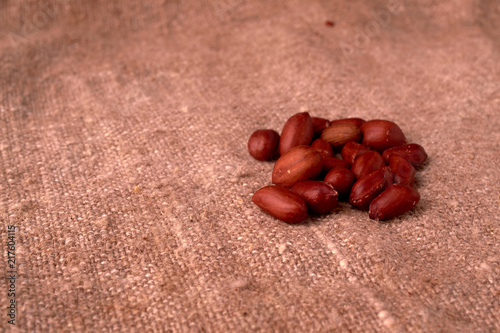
<point>123,165</point>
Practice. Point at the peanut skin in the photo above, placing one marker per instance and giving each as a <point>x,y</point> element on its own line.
<point>330,163</point>
<point>323,147</point>
<point>342,180</point>
<point>319,196</point>
<point>339,134</point>
<point>298,164</point>
<point>404,172</point>
<point>351,151</point>
<point>367,163</point>
<point>263,144</point>
<point>413,152</point>
<point>394,201</point>
<point>380,135</point>
<point>319,124</point>
<point>355,121</point>
<point>369,187</point>
<point>298,130</point>
<point>280,203</point>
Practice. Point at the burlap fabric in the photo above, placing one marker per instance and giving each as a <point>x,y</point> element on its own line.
<point>123,165</point>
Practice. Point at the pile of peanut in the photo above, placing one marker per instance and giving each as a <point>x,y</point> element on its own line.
<point>376,170</point>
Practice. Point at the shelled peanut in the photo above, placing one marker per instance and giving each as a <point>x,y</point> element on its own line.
<point>376,171</point>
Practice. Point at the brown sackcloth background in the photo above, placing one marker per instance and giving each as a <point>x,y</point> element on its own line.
<point>123,165</point>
